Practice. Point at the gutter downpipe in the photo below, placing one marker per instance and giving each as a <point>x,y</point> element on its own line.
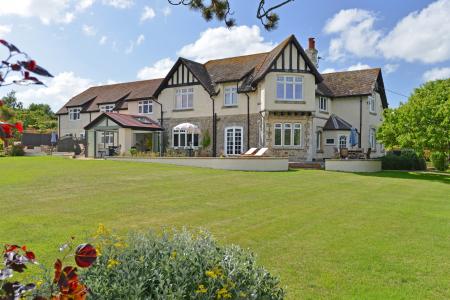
<point>161,135</point>
<point>248,121</point>
<point>214,119</point>
<point>360,121</point>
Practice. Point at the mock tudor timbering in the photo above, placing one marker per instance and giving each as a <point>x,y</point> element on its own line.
<point>277,99</point>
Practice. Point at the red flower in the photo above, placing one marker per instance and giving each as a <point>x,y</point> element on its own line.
<point>31,65</point>
<point>85,255</point>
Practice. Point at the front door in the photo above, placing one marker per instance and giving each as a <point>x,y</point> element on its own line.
<point>233,140</point>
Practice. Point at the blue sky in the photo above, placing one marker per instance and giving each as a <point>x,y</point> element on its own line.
<point>90,42</point>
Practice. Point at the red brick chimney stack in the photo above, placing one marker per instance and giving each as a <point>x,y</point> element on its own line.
<point>312,43</point>
<point>312,52</point>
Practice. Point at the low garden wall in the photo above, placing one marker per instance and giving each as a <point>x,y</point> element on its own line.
<point>227,163</point>
<point>353,165</point>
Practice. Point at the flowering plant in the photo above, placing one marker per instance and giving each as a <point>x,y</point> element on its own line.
<point>65,284</point>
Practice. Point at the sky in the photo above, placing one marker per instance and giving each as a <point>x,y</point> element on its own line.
<point>91,42</point>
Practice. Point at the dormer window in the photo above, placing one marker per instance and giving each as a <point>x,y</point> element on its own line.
<point>145,107</point>
<point>230,96</point>
<point>323,104</point>
<point>74,113</point>
<point>371,102</point>
<point>289,88</point>
<point>106,107</point>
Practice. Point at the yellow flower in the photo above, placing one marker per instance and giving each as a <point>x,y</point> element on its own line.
<point>223,293</point>
<point>39,283</point>
<point>101,230</point>
<point>201,289</point>
<point>120,244</point>
<point>98,250</point>
<point>211,274</point>
<point>112,263</point>
<point>173,254</point>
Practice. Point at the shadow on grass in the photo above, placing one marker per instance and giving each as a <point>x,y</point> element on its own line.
<point>430,176</point>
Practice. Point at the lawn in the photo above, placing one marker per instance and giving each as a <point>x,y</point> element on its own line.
<point>325,234</point>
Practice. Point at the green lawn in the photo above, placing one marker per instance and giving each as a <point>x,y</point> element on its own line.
<point>326,234</point>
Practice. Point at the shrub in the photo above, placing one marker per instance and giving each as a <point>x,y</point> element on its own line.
<point>440,161</point>
<point>178,265</point>
<point>407,160</point>
<point>133,151</point>
<point>17,150</point>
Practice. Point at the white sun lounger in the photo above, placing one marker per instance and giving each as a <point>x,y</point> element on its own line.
<point>261,152</point>
<point>250,151</point>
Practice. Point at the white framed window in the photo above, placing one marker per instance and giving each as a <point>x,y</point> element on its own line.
<point>107,107</point>
<point>82,135</point>
<point>288,134</point>
<point>323,104</point>
<point>319,140</point>
<point>184,98</point>
<point>371,102</point>
<point>107,137</point>
<point>330,142</point>
<point>234,140</point>
<point>230,96</point>
<point>342,141</point>
<point>145,107</point>
<point>74,113</point>
<point>183,139</point>
<point>373,138</point>
<point>289,88</point>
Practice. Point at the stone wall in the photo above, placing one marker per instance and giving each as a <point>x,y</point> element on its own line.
<point>222,122</point>
<point>294,153</point>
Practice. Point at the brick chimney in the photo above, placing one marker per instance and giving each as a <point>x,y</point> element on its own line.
<point>312,52</point>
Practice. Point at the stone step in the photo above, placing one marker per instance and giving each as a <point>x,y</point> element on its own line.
<point>306,165</point>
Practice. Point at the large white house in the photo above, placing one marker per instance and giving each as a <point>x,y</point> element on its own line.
<point>276,99</point>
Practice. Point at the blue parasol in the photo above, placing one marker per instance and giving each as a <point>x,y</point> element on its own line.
<point>353,137</point>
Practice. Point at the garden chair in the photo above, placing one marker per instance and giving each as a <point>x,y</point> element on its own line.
<point>343,153</point>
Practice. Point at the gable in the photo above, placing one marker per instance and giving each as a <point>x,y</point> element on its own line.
<point>182,76</point>
<point>290,60</point>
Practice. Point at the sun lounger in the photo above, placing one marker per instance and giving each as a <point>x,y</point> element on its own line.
<point>250,151</point>
<point>261,152</point>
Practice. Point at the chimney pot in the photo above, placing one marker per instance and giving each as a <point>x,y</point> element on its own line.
<point>312,43</point>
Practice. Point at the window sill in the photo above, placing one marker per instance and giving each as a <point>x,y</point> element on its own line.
<point>182,109</point>
<point>290,101</point>
<point>319,151</point>
<point>372,113</point>
<point>230,106</point>
<point>324,112</point>
<point>288,147</point>
<point>143,114</point>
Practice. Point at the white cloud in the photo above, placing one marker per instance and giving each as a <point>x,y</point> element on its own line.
<point>89,30</point>
<point>48,11</point>
<point>356,35</point>
<point>148,14</point>
<point>358,66</point>
<point>436,73</point>
<point>5,29</point>
<point>84,4</point>
<point>103,40</point>
<point>140,39</point>
<point>390,68</point>
<point>421,36</point>
<point>222,42</point>
<point>59,90</point>
<point>119,3</point>
<point>166,11</point>
<point>328,70</point>
<point>158,70</point>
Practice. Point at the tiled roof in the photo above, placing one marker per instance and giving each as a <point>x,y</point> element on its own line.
<point>350,83</point>
<point>336,123</point>
<point>128,121</point>
<point>111,93</point>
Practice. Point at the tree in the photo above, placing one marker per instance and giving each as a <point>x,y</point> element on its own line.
<point>220,9</point>
<point>10,100</point>
<point>422,123</point>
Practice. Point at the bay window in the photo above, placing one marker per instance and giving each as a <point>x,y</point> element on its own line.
<point>287,134</point>
<point>183,139</point>
<point>145,107</point>
<point>290,88</point>
<point>184,98</point>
